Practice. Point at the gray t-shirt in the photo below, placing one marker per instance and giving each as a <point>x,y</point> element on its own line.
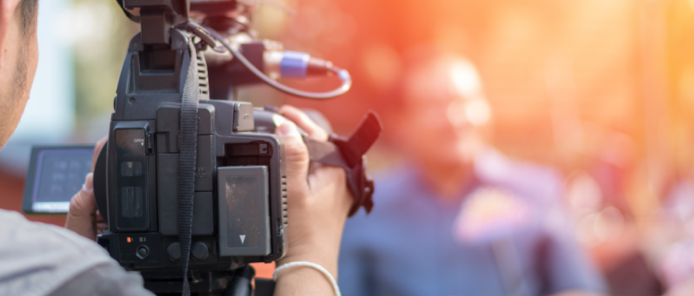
<point>42,259</point>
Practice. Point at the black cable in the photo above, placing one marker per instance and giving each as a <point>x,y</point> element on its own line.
<point>341,73</point>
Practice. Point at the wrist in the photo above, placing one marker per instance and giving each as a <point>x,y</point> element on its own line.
<point>304,280</point>
<point>325,247</point>
<point>326,259</point>
<point>306,271</point>
<point>322,249</point>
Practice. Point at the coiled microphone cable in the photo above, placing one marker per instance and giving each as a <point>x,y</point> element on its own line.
<point>208,35</point>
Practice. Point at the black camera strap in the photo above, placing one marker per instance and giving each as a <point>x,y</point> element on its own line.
<point>348,153</point>
<point>187,143</point>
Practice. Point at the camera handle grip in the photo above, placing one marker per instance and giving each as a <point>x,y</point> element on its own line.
<point>349,155</point>
<point>346,153</point>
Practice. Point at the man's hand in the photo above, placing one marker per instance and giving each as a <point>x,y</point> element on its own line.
<point>83,216</point>
<point>318,201</point>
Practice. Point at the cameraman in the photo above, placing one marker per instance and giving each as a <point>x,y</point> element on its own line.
<point>39,259</point>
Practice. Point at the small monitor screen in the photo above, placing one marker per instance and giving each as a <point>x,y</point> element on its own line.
<point>55,175</point>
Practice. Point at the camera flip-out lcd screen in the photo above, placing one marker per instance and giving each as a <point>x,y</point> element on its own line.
<point>55,175</point>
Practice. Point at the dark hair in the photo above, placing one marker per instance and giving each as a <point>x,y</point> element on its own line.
<point>28,14</point>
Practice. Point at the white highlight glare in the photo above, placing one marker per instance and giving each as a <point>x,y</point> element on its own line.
<point>477,112</point>
<point>609,224</point>
<point>466,80</point>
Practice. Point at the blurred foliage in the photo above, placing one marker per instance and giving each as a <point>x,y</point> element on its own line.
<point>100,47</point>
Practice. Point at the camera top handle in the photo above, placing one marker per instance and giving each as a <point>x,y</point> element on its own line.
<point>157,17</point>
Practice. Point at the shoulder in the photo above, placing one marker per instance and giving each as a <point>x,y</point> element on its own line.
<point>45,255</point>
<point>540,183</point>
<point>14,227</point>
<point>104,280</point>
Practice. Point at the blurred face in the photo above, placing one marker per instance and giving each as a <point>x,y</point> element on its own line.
<point>18,59</point>
<point>443,113</point>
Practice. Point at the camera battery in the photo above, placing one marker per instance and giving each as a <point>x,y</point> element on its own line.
<point>243,211</point>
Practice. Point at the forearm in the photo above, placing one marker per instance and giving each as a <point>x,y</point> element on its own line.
<point>318,203</point>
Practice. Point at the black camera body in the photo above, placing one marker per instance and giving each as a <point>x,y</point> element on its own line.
<point>240,186</point>
<point>191,183</point>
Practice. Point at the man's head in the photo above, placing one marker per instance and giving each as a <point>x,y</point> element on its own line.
<point>440,111</point>
<point>18,60</point>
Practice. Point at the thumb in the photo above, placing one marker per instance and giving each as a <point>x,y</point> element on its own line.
<point>82,212</point>
<point>295,152</point>
<point>83,203</point>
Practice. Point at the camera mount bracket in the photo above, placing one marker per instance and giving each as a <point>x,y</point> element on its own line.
<point>156,17</point>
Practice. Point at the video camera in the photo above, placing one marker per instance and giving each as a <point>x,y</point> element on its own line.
<point>190,172</point>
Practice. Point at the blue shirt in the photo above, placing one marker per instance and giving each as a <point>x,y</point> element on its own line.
<point>415,243</point>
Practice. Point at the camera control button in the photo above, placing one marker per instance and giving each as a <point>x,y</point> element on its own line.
<point>142,252</point>
<point>174,251</point>
<point>200,251</point>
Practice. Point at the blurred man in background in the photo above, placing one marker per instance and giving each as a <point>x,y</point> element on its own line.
<point>458,217</point>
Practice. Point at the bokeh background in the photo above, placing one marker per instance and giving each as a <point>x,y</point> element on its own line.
<point>601,90</point>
